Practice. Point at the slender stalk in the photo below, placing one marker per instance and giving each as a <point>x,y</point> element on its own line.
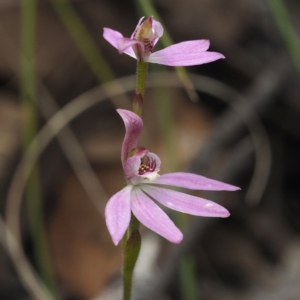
<point>28,93</point>
<point>137,104</point>
<point>131,250</point>
<point>141,78</point>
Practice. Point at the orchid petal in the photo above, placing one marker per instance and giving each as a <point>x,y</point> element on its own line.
<point>185,54</point>
<point>183,59</point>
<point>133,126</point>
<point>153,217</point>
<point>112,36</point>
<point>118,213</point>
<point>185,203</point>
<point>187,46</point>
<point>125,46</point>
<point>194,182</point>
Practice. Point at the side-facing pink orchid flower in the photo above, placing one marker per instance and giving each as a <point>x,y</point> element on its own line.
<point>141,43</point>
<point>141,169</point>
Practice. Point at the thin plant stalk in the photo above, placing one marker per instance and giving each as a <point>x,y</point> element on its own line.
<point>28,93</point>
<point>131,249</point>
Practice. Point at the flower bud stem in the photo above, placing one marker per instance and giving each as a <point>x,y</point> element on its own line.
<point>131,250</point>
<point>141,78</point>
<point>137,104</point>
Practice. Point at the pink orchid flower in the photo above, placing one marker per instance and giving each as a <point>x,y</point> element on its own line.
<point>141,44</point>
<point>144,185</point>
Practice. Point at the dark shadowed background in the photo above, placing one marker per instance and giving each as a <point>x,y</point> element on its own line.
<point>240,124</point>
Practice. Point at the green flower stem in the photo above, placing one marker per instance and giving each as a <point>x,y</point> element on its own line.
<point>28,94</point>
<point>141,78</point>
<point>131,250</point>
<point>137,104</point>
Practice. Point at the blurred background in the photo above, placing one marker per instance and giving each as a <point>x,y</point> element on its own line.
<point>235,120</point>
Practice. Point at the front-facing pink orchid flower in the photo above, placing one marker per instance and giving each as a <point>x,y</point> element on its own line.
<point>141,43</point>
<point>144,185</point>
